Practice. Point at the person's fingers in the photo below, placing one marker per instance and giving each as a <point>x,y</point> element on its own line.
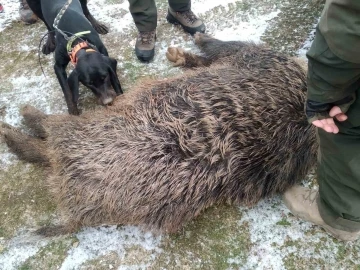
<point>341,117</point>
<point>326,124</point>
<point>331,126</point>
<point>334,129</point>
<point>321,124</point>
<point>334,111</point>
<point>318,123</point>
<point>329,121</point>
<point>328,128</point>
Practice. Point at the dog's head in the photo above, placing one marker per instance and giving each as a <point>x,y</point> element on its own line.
<point>96,72</point>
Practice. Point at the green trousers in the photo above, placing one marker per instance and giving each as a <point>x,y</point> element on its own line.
<point>144,12</point>
<point>330,79</point>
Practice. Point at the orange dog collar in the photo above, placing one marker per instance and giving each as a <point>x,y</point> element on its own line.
<point>78,47</point>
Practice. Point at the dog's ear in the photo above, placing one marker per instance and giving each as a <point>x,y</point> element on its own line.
<point>115,83</point>
<point>73,82</point>
<point>111,62</point>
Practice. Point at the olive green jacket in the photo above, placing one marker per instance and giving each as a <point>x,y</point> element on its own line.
<point>334,59</point>
<point>340,26</point>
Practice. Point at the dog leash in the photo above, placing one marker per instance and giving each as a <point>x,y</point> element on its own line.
<point>73,37</point>
<point>59,16</point>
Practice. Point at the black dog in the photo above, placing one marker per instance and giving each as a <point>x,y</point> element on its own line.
<point>93,67</point>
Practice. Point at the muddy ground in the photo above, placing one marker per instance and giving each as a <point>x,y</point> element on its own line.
<point>264,237</point>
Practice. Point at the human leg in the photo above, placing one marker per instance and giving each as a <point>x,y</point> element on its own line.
<point>144,14</point>
<point>180,12</point>
<point>336,205</point>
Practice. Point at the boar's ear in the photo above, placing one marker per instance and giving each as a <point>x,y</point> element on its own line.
<point>73,82</point>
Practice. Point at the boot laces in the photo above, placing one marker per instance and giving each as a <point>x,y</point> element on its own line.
<point>311,195</point>
<point>188,15</point>
<point>147,37</point>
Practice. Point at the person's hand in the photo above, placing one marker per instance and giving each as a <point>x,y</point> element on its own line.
<point>328,124</point>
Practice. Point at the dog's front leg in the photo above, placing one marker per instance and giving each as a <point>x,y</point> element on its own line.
<point>62,78</point>
<point>50,44</point>
<point>99,27</point>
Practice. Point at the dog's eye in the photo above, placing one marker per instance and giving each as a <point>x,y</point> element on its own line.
<point>103,77</point>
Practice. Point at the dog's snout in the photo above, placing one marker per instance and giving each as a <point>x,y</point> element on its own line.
<point>107,100</point>
<point>107,97</point>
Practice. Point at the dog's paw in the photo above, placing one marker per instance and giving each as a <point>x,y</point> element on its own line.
<point>101,28</point>
<point>176,55</point>
<point>74,111</point>
<point>48,48</point>
<point>200,38</point>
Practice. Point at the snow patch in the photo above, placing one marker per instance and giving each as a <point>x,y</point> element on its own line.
<point>111,15</point>
<point>203,6</point>
<point>10,14</point>
<point>269,238</point>
<point>264,233</point>
<point>307,44</point>
<point>95,242</point>
<point>19,249</point>
<point>34,90</point>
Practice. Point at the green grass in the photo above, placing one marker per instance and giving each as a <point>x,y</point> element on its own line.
<point>24,198</point>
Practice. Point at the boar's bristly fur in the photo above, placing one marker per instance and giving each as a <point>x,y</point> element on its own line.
<point>231,129</point>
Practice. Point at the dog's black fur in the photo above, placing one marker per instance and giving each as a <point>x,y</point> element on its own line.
<point>93,69</point>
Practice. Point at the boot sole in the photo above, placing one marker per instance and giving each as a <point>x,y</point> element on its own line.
<point>145,58</point>
<point>171,19</point>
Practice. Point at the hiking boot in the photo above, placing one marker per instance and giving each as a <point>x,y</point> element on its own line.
<point>145,46</point>
<point>187,19</point>
<point>302,203</point>
<point>26,14</point>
